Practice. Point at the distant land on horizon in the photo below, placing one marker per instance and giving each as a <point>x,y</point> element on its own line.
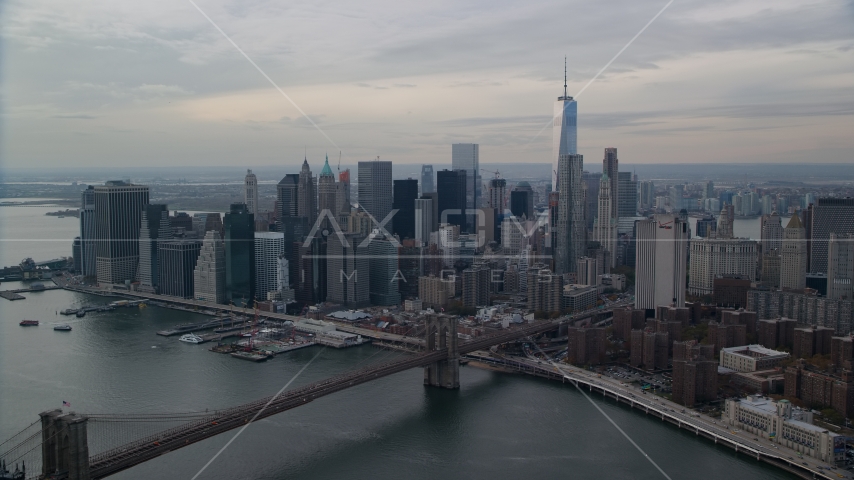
<point>728,172</point>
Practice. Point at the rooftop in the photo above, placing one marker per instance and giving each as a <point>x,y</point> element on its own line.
<point>754,351</point>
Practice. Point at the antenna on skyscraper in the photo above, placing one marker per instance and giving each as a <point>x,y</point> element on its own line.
<point>564,77</point>
<point>339,162</point>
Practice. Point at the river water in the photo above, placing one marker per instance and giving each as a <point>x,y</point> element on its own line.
<point>495,426</point>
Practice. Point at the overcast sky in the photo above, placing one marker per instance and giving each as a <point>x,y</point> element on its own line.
<point>144,83</point>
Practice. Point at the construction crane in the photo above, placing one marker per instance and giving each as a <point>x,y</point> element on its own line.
<point>497,175</point>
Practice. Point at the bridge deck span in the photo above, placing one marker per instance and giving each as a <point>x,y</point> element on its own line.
<point>126,456</point>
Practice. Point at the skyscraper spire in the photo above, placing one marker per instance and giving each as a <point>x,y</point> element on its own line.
<point>565,94</point>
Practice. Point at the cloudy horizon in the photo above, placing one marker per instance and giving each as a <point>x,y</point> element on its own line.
<point>130,84</point>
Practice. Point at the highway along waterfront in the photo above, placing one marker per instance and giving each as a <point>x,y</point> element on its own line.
<point>497,425</point>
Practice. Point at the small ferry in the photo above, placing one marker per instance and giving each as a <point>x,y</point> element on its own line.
<point>191,338</point>
<point>29,323</point>
<point>62,328</point>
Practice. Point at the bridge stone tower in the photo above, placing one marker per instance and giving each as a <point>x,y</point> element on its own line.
<point>65,445</point>
<point>442,334</point>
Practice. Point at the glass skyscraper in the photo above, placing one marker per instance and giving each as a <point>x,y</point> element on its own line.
<point>565,131</point>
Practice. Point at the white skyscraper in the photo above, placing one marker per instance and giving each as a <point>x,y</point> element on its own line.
<point>250,191</point>
<point>793,255</point>
<point>720,256</point>
<point>605,226</point>
<point>840,267</point>
<point>269,247</point>
<point>449,243</point>
<point>209,274</point>
<point>564,131</point>
<point>661,262</point>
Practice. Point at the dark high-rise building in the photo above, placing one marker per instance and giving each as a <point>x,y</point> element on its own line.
<point>155,227</point>
<point>611,167</point>
<point>585,346</point>
<point>590,183</point>
<point>451,192</point>
<point>287,197</point>
<point>118,216</point>
<point>427,183</point>
<point>405,194</point>
<point>571,235</point>
<point>86,267</point>
<point>706,226</point>
<point>627,195</point>
<point>239,255</point>
<point>176,262</point>
<point>522,201</point>
<point>348,268</point>
<point>374,188</point>
<point>307,194</point>
<point>829,215</point>
<point>497,202</point>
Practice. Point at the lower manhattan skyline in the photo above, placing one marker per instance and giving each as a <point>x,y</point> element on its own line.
<point>436,240</point>
<point>157,84</point>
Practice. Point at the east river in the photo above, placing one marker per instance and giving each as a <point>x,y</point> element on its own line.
<point>496,426</point>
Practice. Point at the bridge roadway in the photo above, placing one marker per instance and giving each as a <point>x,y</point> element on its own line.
<point>126,456</point>
<point>713,429</point>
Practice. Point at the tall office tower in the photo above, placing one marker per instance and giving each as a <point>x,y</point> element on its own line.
<point>770,269</point>
<point>570,228</point>
<point>287,197</point>
<point>250,192</point>
<point>771,234</point>
<point>383,283</point>
<point>87,233</point>
<point>423,219</point>
<point>554,204</point>
<point>405,195</point>
<point>449,243</point>
<point>309,259</point>
<point>712,257</point>
<point>611,167</point>
<point>344,192</point>
<point>627,195</point>
<point>205,222</point>
<point>451,191</point>
<point>497,202</point>
<point>348,272</point>
<point>706,226</point>
<point>327,192</point>
<point>209,274</point>
<point>725,220</point>
<point>522,201</point>
<point>564,130</point>
<point>466,156</point>
<point>375,188</point>
<point>269,246</point>
<point>591,197</point>
<point>307,194</point>
<point>840,267</point>
<point>154,228</point>
<point>605,228</point>
<point>239,255</point>
<point>176,262</point>
<point>427,183</point>
<point>118,216</point>
<point>793,256</point>
<point>647,194</point>
<point>806,219</point>
<point>828,215</point>
<point>661,262</point>
<point>513,238</point>
<point>709,189</point>
<point>497,193</point>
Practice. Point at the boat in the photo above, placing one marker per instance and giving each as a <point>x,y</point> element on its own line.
<point>62,328</point>
<point>81,313</point>
<point>29,323</point>
<point>191,338</point>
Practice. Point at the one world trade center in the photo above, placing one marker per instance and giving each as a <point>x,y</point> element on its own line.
<point>565,132</point>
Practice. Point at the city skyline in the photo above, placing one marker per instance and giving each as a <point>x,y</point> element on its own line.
<point>717,91</point>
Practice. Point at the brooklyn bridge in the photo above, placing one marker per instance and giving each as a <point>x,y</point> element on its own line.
<point>58,444</point>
